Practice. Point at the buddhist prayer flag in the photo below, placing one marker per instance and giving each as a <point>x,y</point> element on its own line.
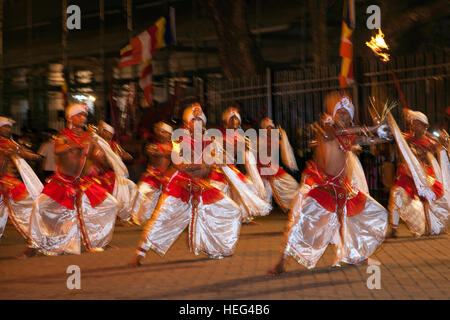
<point>145,81</point>
<point>143,47</point>
<point>346,50</point>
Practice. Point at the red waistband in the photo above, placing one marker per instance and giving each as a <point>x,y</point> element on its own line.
<point>66,189</point>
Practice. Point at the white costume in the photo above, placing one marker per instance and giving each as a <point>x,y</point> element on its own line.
<point>336,210</point>
<point>419,178</point>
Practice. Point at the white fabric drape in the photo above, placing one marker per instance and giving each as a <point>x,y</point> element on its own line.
<point>287,154</point>
<point>417,172</point>
<point>32,183</point>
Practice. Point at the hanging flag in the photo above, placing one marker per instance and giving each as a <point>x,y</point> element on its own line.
<point>137,51</point>
<point>346,50</point>
<point>145,81</point>
<point>141,48</point>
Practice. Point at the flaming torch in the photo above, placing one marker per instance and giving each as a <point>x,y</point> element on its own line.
<point>377,44</point>
<point>380,48</point>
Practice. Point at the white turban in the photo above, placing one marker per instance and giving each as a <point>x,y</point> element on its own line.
<point>416,115</point>
<point>164,127</point>
<point>75,109</point>
<point>346,104</point>
<point>103,125</point>
<point>6,121</point>
<point>229,113</point>
<point>194,111</point>
<point>266,122</point>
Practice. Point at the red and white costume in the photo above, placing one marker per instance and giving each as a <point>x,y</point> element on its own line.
<point>419,178</point>
<point>277,182</point>
<point>331,209</point>
<point>233,182</point>
<point>149,190</point>
<point>213,218</point>
<point>123,189</point>
<point>73,209</point>
<point>17,197</point>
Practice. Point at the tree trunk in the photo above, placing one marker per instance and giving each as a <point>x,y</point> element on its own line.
<point>318,16</point>
<point>395,27</point>
<point>239,56</point>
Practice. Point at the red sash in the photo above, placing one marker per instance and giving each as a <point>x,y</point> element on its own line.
<point>14,187</point>
<point>65,190</point>
<point>333,193</point>
<point>405,180</point>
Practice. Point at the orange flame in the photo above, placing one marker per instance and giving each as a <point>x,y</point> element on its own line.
<point>377,44</point>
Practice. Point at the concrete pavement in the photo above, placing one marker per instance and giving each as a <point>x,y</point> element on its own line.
<point>411,269</point>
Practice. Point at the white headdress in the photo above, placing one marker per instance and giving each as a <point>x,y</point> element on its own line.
<point>229,113</point>
<point>164,127</point>
<point>194,111</point>
<point>6,121</point>
<point>416,115</point>
<point>346,104</point>
<point>75,109</point>
<point>266,122</point>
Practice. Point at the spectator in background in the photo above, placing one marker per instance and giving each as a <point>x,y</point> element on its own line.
<point>47,151</point>
<point>304,150</point>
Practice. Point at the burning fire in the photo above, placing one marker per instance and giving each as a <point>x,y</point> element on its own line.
<point>377,44</point>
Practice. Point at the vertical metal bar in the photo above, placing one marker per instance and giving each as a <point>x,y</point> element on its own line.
<point>101,113</point>
<point>2,92</point>
<point>31,103</point>
<point>129,17</point>
<point>64,50</point>
<point>269,92</point>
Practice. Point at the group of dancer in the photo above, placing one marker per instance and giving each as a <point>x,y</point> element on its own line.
<point>90,190</point>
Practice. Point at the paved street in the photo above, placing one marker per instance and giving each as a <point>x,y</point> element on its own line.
<point>411,269</point>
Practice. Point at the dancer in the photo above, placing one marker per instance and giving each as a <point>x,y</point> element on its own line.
<point>329,208</point>
<point>418,195</point>
<point>16,197</point>
<point>73,207</point>
<point>277,181</point>
<point>230,180</point>
<point>156,177</point>
<point>123,190</point>
<point>188,199</point>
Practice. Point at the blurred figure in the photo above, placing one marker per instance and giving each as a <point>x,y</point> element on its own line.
<point>278,183</point>
<point>156,176</point>
<point>332,206</point>
<point>47,152</point>
<point>16,196</point>
<point>73,207</point>
<point>229,179</point>
<point>418,195</point>
<point>123,191</point>
<point>189,200</point>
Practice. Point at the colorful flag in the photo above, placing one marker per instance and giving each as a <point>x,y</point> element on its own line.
<point>346,50</point>
<point>141,48</point>
<point>145,81</point>
<point>137,51</point>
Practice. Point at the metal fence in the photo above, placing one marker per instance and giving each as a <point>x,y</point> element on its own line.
<point>295,98</point>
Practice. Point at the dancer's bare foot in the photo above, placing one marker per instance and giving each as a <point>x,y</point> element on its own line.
<point>28,253</point>
<point>279,268</point>
<point>136,262</point>
<point>393,234</point>
<point>336,262</point>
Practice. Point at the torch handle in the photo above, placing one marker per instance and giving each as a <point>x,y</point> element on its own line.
<point>399,90</point>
